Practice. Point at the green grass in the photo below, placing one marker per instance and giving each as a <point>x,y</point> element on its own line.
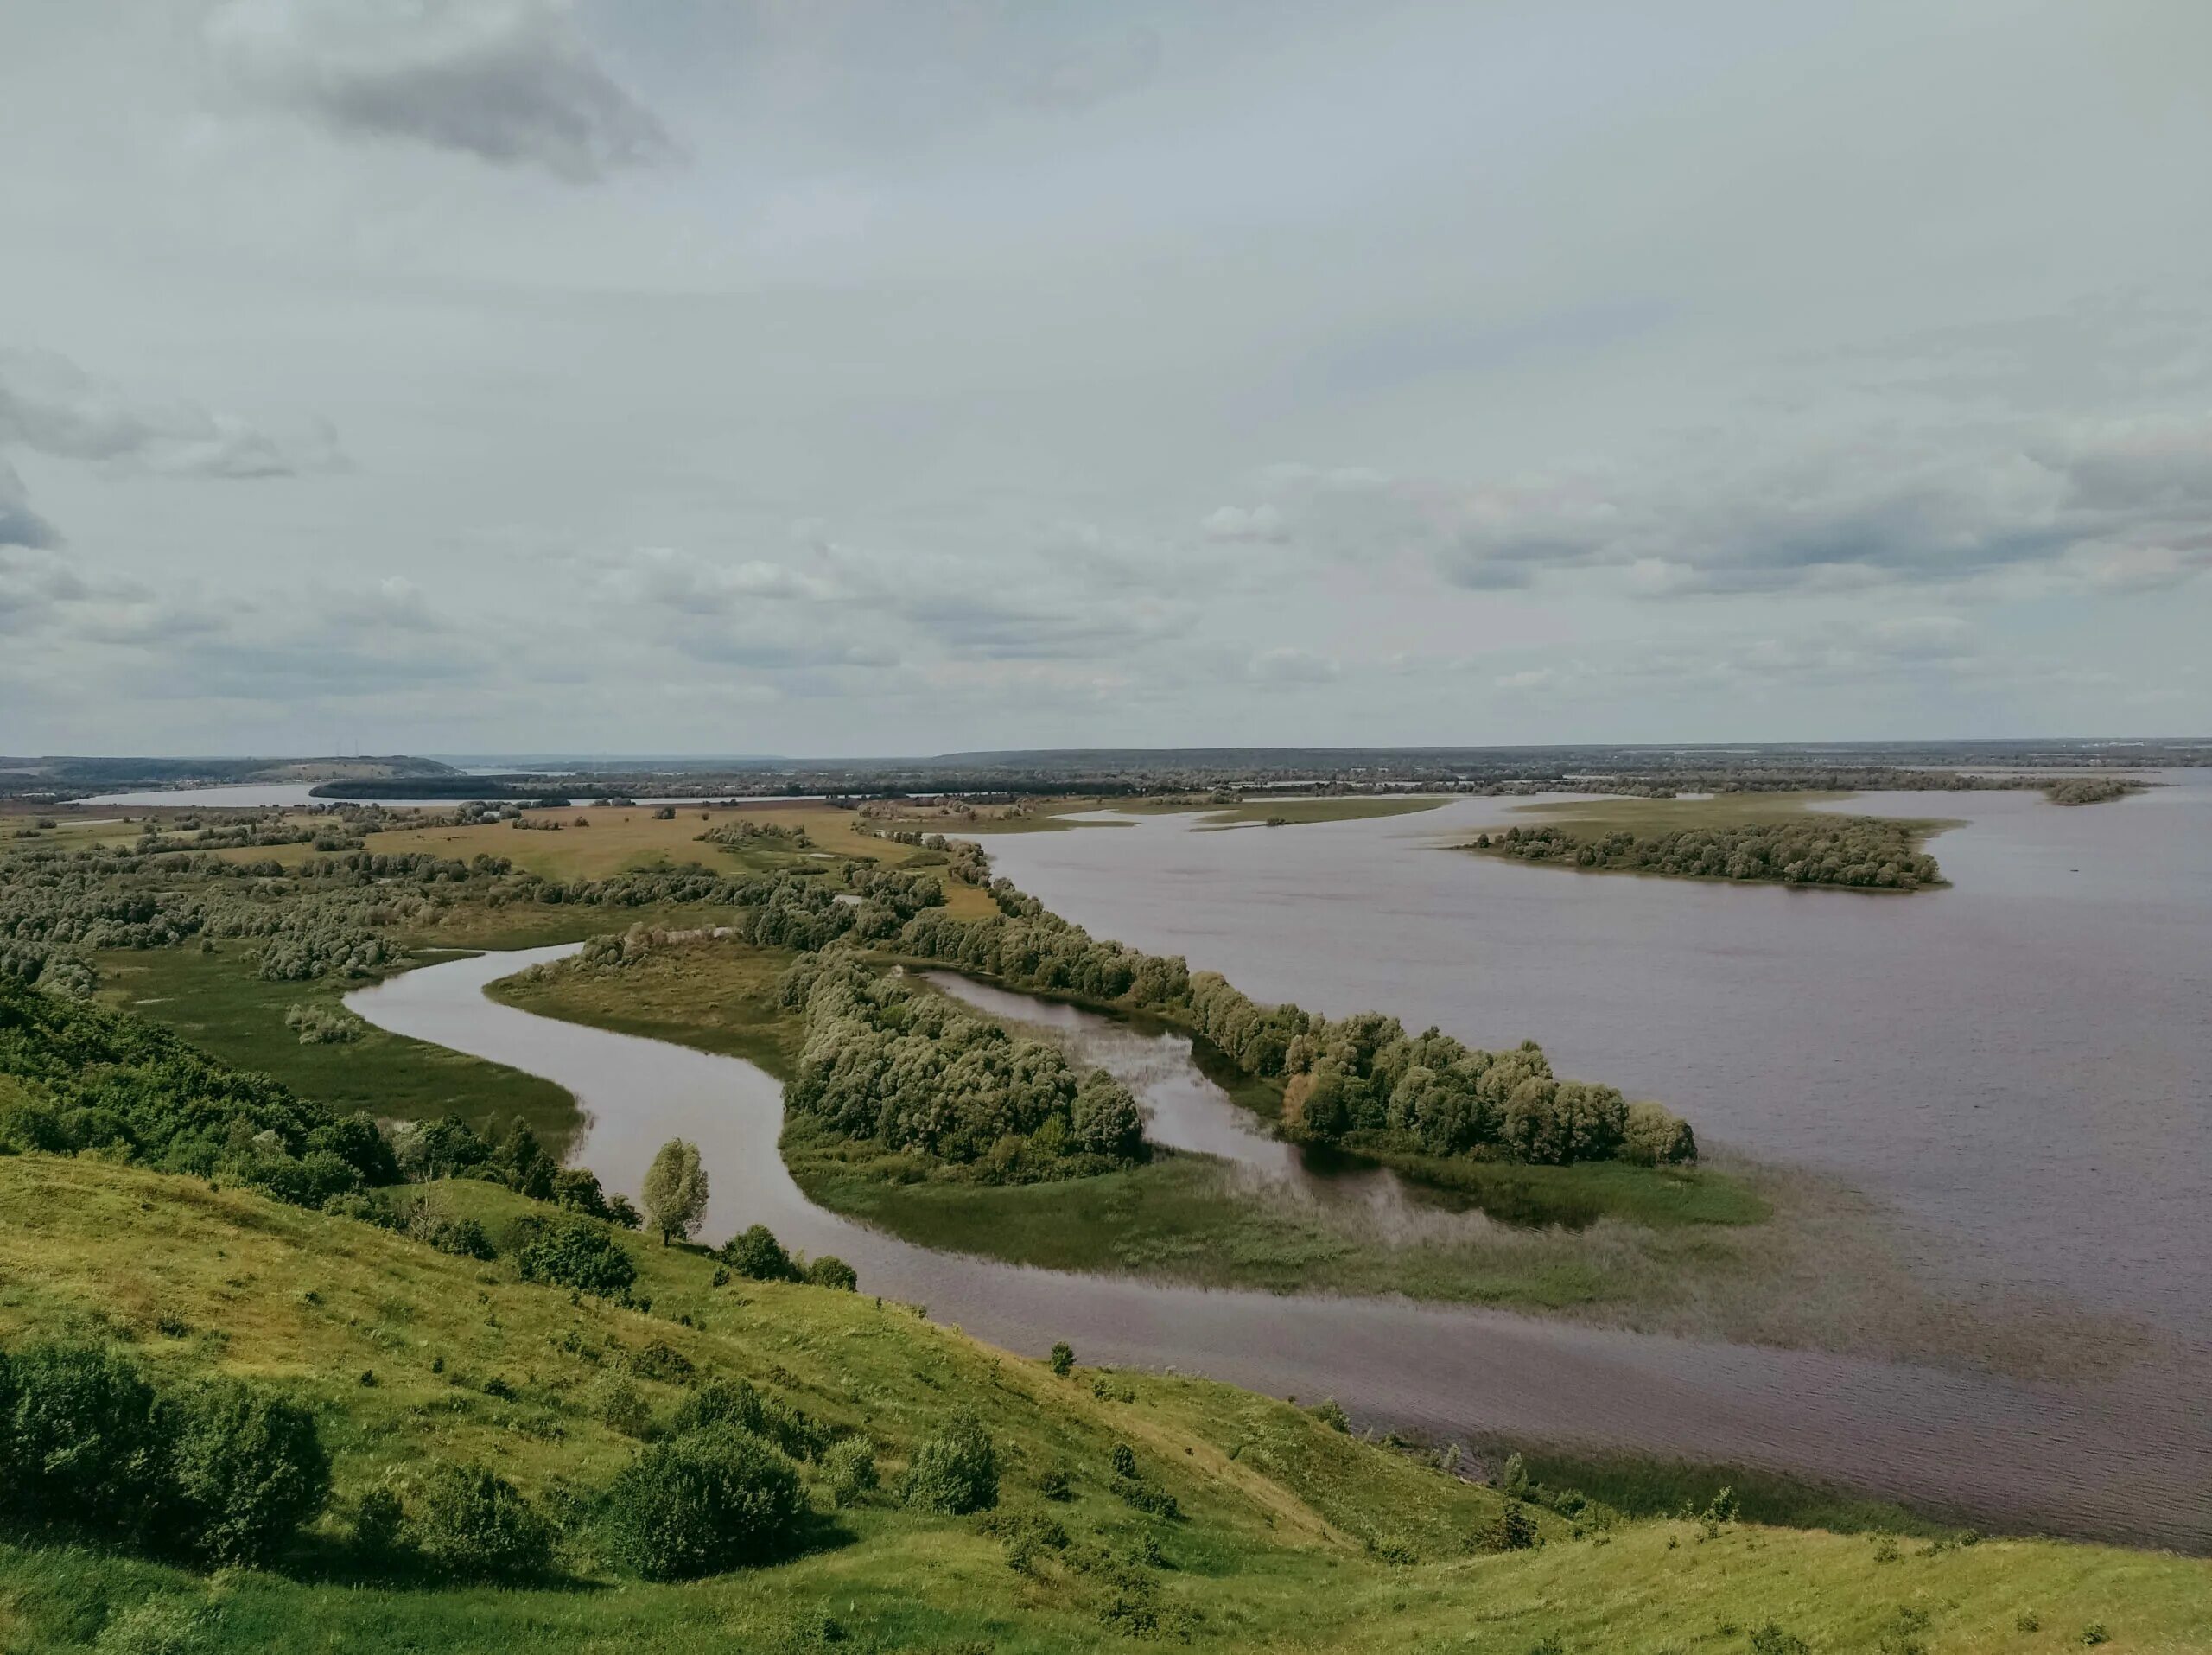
<point>715,995</point>
<point>217,1003</point>
<point>1294,1538</point>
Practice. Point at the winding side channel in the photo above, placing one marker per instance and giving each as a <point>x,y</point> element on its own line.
<point>2129,1459</point>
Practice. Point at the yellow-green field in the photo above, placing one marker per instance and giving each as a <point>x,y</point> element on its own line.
<point>1293,1536</point>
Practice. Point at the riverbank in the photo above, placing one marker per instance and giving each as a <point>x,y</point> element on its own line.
<point>2123,1455</point>
<point>1732,1251</point>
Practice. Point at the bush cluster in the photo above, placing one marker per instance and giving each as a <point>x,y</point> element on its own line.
<point>224,1473</point>
<point>700,1502</point>
<point>568,1251</point>
<point>916,1072</point>
<point>955,1472</point>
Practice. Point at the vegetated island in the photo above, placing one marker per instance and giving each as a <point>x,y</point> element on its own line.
<point>1864,853</point>
<point>2092,790</point>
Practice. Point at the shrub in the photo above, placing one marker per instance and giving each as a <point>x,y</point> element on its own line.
<point>379,1522</point>
<point>471,1523</point>
<point>701,1503</point>
<point>725,1402</point>
<point>662,1362</point>
<point>1512,1529</point>
<point>850,1463</point>
<point>323,1025</point>
<point>248,1470</point>
<point>1124,1461</point>
<point>80,1438</point>
<point>1062,1359</point>
<point>755,1254</point>
<point>573,1252</point>
<point>831,1271</point>
<point>622,1407</point>
<point>1771,1639</point>
<point>955,1472</point>
<point>1331,1413</point>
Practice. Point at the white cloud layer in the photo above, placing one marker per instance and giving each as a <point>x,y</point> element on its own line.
<point>1029,376</point>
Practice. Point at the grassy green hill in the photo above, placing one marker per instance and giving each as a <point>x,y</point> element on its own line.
<point>1292,1535</point>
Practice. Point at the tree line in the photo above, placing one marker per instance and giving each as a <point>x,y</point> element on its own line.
<point>1357,1082</point>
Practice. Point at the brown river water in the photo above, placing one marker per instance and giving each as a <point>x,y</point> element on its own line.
<point>2018,1065</point>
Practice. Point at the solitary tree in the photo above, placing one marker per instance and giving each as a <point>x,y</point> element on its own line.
<point>675,1190</point>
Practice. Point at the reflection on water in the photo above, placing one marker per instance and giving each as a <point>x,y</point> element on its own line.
<point>2128,1458</point>
<point>2022,1063</point>
<point>1185,1108</point>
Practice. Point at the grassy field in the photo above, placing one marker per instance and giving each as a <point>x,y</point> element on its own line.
<point>1293,1536</point>
<point>217,1003</point>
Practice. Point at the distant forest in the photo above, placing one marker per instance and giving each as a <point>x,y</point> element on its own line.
<point>1114,772</point>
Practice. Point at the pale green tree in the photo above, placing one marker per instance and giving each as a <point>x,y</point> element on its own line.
<point>676,1191</point>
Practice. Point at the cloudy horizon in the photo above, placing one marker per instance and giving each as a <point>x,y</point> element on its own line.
<point>884,379</point>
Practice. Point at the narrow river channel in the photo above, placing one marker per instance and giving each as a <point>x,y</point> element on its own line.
<point>2129,1458</point>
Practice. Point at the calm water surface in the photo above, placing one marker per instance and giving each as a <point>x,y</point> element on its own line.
<point>2129,1458</point>
<point>2021,1064</point>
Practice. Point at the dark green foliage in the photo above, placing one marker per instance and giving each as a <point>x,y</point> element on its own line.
<point>222,1473</point>
<point>81,1440</point>
<point>1512,1530</point>
<point>1773,1640</point>
<point>1062,1359</point>
<point>955,1472</point>
<point>755,1254</point>
<point>1124,1461</point>
<point>916,1072</point>
<point>702,1502</point>
<point>96,1079</point>
<point>1867,852</point>
<point>472,1523</point>
<point>831,1271</point>
<point>247,1470</point>
<point>379,1522</point>
<point>662,1363</point>
<point>570,1251</point>
<point>1331,1413</point>
<point>734,1402</point>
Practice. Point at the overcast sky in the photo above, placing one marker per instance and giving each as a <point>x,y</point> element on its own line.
<point>817,377</point>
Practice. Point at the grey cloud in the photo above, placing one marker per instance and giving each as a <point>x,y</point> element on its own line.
<point>2125,505</point>
<point>511,82</point>
<point>19,524</point>
<point>50,405</point>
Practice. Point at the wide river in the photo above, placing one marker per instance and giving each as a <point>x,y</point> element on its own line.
<point>2019,1064</point>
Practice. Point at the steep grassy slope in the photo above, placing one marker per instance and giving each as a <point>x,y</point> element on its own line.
<point>1292,1535</point>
